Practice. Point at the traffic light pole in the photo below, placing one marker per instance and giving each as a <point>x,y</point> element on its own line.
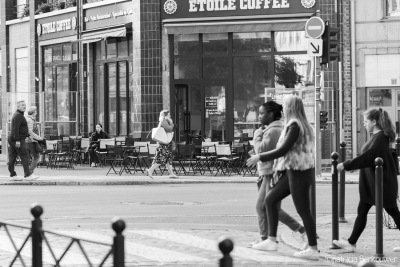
<point>317,133</point>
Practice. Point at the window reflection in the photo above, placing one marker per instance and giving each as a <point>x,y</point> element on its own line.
<point>290,41</point>
<point>186,68</point>
<point>294,71</point>
<point>251,42</point>
<point>393,8</point>
<point>215,43</point>
<point>380,97</point>
<point>186,44</point>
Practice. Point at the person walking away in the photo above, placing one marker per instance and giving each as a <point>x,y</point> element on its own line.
<point>33,138</point>
<point>265,139</point>
<point>17,145</point>
<point>95,145</point>
<point>294,174</point>
<point>164,151</point>
<point>377,122</point>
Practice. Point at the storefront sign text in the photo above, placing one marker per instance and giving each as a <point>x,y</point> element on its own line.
<point>109,15</point>
<point>223,5</point>
<point>56,26</point>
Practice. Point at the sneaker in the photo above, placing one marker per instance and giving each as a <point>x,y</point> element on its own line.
<point>93,164</point>
<point>396,249</point>
<point>15,178</point>
<point>302,238</point>
<point>345,245</point>
<point>266,245</point>
<point>149,174</point>
<point>31,177</point>
<point>309,254</point>
<point>250,245</point>
<point>173,176</point>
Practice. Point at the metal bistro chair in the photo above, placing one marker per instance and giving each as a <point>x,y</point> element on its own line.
<point>225,162</point>
<point>63,155</point>
<point>49,151</point>
<point>206,159</point>
<point>185,160</point>
<point>142,154</point>
<point>81,151</point>
<point>116,158</point>
<point>243,161</point>
<point>120,140</point>
<point>102,153</point>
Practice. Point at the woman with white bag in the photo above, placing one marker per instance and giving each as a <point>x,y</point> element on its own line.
<point>164,151</point>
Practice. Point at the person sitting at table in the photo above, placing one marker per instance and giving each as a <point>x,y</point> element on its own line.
<point>95,144</point>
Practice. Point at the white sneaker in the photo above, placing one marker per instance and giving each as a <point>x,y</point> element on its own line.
<point>309,254</point>
<point>149,174</point>
<point>173,176</point>
<point>16,178</point>
<point>250,245</point>
<point>302,238</point>
<point>396,249</point>
<point>266,245</point>
<point>31,177</point>
<point>345,245</point>
<point>93,164</point>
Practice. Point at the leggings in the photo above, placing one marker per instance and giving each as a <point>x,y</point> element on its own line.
<point>361,220</point>
<point>297,183</point>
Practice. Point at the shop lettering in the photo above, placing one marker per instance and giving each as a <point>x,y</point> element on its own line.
<point>56,26</point>
<point>222,5</point>
<point>114,14</point>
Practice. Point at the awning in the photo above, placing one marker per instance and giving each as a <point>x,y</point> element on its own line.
<point>297,24</point>
<point>98,35</point>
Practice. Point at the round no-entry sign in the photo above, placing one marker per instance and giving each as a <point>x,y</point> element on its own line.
<point>315,27</point>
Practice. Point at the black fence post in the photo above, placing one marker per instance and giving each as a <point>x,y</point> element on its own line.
<point>335,214</point>
<point>379,207</point>
<point>226,246</point>
<point>36,235</point>
<point>119,243</point>
<point>342,188</point>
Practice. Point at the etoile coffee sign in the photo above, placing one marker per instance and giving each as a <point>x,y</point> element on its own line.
<point>217,8</point>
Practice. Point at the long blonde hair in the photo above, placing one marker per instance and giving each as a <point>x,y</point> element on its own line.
<point>293,108</point>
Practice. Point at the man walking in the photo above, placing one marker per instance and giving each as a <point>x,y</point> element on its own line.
<point>16,140</point>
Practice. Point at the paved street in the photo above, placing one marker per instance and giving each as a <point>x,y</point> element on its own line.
<point>166,224</point>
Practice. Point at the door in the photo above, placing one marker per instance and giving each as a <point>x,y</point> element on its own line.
<point>200,112</point>
<point>116,104</point>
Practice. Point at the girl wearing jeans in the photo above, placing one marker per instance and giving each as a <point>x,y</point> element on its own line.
<point>265,139</point>
<point>377,122</point>
<point>294,165</point>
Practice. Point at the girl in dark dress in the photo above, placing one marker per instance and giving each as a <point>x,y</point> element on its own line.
<point>377,122</point>
<point>164,151</point>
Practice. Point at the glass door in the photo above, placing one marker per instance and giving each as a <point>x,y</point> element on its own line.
<point>200,112</point>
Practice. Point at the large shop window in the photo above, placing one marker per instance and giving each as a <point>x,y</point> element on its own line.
<point>392,8</point>
<point>60,86</point>
<point>113,87</point>
<point>21,70</point>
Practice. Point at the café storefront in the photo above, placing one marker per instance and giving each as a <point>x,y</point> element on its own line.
<point>228,57</point>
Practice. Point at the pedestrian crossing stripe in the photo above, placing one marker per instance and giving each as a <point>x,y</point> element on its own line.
<point>137,252</point>
<point>202,243</point>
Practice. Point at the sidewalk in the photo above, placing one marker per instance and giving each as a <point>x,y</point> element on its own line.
<point>86,175</point>
<point>366,248</point>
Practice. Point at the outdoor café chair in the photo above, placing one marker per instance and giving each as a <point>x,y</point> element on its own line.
<point>116,159</point>
<point>102,151</point>
<point>225,162</point>
<point>206,159</point>
<point>185,159</point>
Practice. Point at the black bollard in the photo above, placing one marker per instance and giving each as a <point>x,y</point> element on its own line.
<point>342,188</point>
<point>335,217</point>
<point>225,246</point>
<point>36,235</point>
<point>379,207</point>
<point>118,226</point>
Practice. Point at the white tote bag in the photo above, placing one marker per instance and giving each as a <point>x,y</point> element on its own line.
<point>160,135</point>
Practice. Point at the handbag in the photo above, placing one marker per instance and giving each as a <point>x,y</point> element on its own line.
<point>160,135</point>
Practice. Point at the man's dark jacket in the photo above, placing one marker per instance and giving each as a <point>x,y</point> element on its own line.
<point>19,126</point>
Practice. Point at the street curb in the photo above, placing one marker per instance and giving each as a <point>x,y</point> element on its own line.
<point>102,183</point>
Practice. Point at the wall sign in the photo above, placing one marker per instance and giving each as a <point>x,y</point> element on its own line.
<point>56,26</point>
<point>109,15</point>
<point>216,8</point>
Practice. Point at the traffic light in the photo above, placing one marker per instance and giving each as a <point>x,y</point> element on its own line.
<point>330,44</point>
<point>323,120</point>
